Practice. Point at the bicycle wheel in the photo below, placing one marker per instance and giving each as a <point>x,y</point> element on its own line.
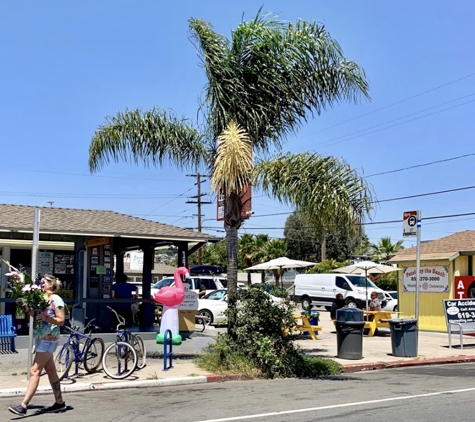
<point>139,347</point>
<point>93,355</point>
<point>64,360</point>
<point>119,360</point>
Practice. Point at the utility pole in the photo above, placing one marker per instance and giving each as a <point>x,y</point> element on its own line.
<point>199,202</point>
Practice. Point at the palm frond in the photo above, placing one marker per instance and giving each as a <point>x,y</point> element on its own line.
<point>273,76</point>
<point>325,189</point>
<point>150,137</point>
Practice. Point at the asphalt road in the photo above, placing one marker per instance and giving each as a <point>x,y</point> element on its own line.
<point>430,393</point>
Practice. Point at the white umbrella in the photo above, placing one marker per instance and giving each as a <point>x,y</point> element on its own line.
<point>366,267</point>
<point>280,263</point>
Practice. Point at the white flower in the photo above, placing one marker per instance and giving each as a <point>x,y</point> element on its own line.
<point>16,276</point>
<point>35,287</point>
<point>27,288</point>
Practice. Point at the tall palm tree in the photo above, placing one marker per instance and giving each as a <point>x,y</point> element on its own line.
<point>263,84</point>
<point>385,249</point>
<point>273,249</point>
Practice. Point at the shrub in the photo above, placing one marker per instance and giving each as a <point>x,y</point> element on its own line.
<point>262,347</point>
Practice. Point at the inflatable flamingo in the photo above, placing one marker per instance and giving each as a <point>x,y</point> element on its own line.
<point>171,297</point>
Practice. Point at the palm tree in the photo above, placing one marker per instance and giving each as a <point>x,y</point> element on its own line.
<point>385,249</point>
<point>263,84</point>
<point>273,249</point>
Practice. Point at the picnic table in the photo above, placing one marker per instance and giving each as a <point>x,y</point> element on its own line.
<point>303,324</point>
<point>380,319</point>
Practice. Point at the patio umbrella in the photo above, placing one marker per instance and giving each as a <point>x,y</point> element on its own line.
<point>281,263</point>
<point>366,267</point>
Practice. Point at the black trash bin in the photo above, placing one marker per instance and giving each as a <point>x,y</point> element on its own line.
<point>349,333</point>
<point>404,336</point>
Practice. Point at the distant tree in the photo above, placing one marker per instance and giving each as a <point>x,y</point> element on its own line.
<point>303,240</point>
<point>251,251</point>
<point>327,266</point>
<point>273,249</point>
<point>212,254</point>
<point>385,249</point>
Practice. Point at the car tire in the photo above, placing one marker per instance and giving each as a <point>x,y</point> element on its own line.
<point>306,302</point>
<point>328,308</point>
<point>207,314</point>
<point>396,309</point>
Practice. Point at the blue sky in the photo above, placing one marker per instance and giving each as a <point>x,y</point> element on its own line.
<point>67,65</point>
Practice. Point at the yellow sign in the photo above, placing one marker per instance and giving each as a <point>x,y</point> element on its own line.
<point>97,241</point>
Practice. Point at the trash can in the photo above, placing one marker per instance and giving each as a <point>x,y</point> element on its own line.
<point>349,333</point>
<point>404,336</point>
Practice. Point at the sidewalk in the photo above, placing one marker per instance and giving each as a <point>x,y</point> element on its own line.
<point>432,349</point>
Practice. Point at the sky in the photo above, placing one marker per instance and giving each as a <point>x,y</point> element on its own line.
<point>68,65</point>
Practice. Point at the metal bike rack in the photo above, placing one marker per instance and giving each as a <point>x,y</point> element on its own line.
<point>167,350</point>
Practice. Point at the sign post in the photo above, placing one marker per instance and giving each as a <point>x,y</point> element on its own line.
<point>411,226</point>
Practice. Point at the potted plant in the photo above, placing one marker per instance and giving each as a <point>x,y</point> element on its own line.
<point>312,315</point>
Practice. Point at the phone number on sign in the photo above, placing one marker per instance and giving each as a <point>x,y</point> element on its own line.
<point>426,278</point>
<point>466,315</point>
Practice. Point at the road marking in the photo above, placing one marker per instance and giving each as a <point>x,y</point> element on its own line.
<point>336,406</point>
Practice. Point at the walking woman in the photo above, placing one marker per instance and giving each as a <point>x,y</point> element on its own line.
<point>46,341</point>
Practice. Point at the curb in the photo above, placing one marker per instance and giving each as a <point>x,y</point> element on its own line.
<point>204,379</point>
<point>359,367</point>
<point>73,388</point>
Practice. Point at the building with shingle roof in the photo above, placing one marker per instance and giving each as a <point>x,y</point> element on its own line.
<point>446,272</point>
<point>81,246</point>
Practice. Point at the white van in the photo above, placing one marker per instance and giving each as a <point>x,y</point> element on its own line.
<point>321,289</point>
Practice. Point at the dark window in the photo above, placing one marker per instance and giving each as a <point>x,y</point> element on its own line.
<point>342,283</point>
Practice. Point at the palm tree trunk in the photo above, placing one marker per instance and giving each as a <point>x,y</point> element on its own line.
<point>232,249</point>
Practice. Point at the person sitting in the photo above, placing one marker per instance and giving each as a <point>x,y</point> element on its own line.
<point>338,303</point>
<point>375,303</point>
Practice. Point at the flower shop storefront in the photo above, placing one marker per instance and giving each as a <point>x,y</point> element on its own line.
<point>85,249</point>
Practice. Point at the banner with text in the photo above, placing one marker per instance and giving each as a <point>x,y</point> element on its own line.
<point>433,279</point>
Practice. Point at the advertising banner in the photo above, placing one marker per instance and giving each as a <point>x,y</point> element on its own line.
<point>433,279</point>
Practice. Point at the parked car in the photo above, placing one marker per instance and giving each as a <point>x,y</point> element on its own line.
<point>211,283</point>
<point>391,301</point>
<point>215,303</point>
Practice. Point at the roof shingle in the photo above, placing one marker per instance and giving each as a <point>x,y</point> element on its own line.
<point>448,247</point>
<point>92,223</point>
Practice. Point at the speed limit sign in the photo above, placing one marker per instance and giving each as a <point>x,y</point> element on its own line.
<point>409,223</point>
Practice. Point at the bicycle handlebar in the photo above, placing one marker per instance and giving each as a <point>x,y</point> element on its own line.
<point>120,318</point>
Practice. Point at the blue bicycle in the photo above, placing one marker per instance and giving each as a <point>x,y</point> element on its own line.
<point>80,348</point>
<point>126,354</point>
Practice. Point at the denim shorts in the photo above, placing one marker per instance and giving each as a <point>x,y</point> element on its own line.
<point>44,346</point>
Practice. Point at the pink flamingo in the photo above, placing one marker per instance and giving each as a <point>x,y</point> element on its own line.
<point>173,296</point>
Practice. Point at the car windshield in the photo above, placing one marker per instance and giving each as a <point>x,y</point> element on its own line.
<point>216,295</point>
<point>360,281</point>
<point>162,283</point>
<point>393,294</point>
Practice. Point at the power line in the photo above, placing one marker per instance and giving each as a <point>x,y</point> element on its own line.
<point>421,165</point>
<point>425,194</point>
<point>390,105</point>
<point>367,223</point>
<point>329,142</point>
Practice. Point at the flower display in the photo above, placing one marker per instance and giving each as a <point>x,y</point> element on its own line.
<point>26,292</point>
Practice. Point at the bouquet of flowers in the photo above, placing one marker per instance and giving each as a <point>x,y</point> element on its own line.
<point>27,293</point>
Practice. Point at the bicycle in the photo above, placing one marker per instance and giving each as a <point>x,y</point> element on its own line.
<point>127,348</point>
<point>80,348</point>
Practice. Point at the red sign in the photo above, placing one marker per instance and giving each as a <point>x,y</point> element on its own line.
<point>464,287</point>
<point>245,196</point>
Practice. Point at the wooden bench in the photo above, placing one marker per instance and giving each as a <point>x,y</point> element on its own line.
<point>462,328</point>
<point>7,334</point>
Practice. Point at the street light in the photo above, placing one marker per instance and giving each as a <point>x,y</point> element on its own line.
<point>34,266</point>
